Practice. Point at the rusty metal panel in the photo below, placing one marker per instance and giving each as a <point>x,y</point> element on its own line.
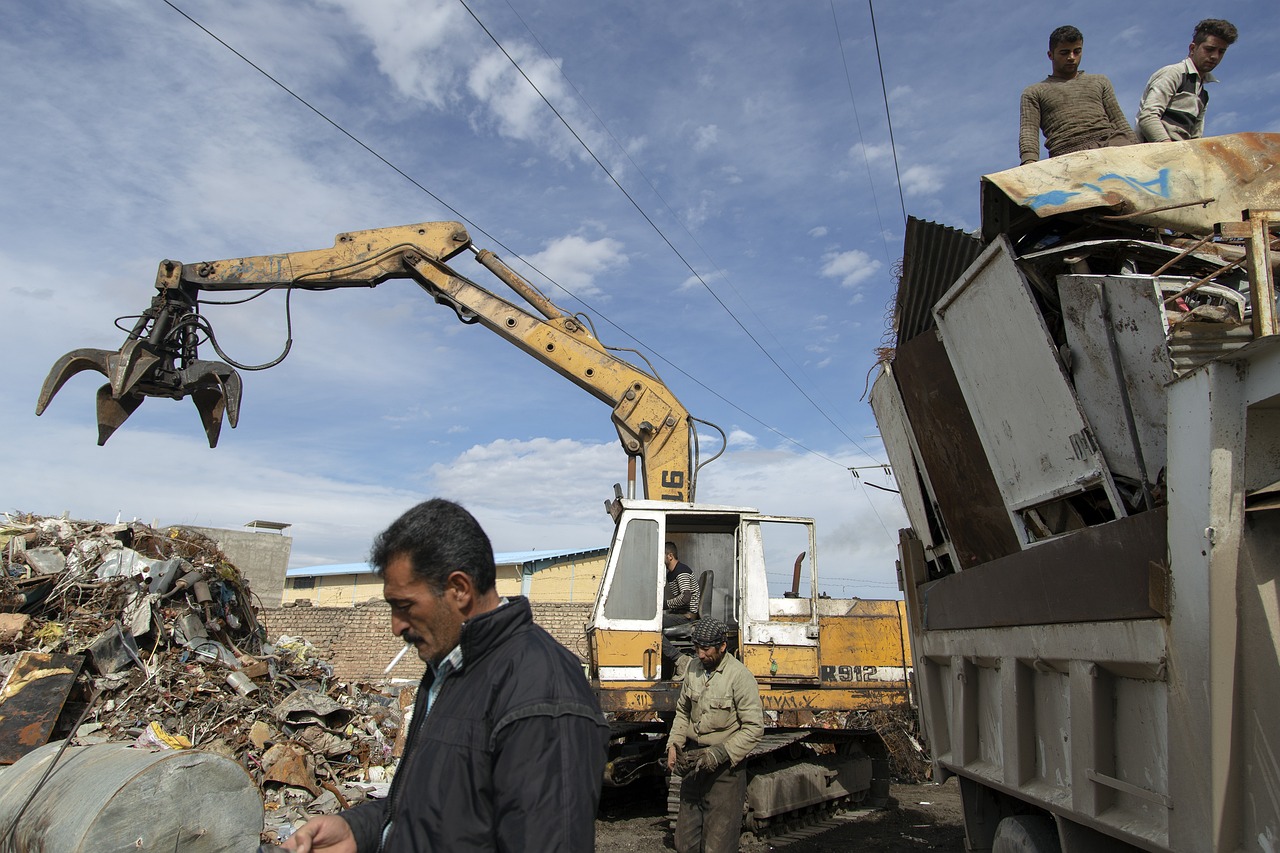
<point>951,454</point>
<point>31,700</point>
<point>895,432</point>
<point>1108,572</point>
<point>1116,333</point>
<point>1027,416</point>
<point>1184,186</point>
<point>933,257</point>
<point>787,663</point>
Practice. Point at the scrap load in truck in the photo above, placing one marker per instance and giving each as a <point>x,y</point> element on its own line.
<point>1082,410</point>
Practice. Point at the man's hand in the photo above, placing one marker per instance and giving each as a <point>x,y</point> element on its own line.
<point>711,758</point>
<point>672,755</point>
<point>324,834</point>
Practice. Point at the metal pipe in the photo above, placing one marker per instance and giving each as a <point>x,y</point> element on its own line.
<point>494,264</point>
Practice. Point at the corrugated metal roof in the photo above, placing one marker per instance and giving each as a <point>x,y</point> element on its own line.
<point>502,558</point>
<point>933,257</point>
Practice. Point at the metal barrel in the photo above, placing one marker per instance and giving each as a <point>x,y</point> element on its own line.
<point>113,798</point>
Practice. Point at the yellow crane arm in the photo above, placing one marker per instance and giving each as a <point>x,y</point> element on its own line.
<point>160,357</point>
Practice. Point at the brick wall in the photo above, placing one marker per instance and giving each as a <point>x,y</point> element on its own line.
<point>359,644</point>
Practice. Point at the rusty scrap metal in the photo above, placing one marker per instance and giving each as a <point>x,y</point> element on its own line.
<point>1187,187</point>
<point>199,669</point>
<point>31,701</point>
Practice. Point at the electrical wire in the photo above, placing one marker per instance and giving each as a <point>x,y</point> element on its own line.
<point>862,142</point>
<point>888,119</point>
<point>719,272</point>
<point>658,230</point>
<point>476,227</point>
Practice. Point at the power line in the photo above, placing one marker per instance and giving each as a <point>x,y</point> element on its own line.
<point>893,147</point>
<point>719,271</point>
<point>498,242</point>
<point>478,228</point>
<point>848,79</point>
<point>658,230</point>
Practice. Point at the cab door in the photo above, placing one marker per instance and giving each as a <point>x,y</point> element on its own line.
<point>779,635</point>
<point>625,632</point>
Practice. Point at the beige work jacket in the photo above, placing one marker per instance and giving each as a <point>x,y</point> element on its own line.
<point>719,707</point>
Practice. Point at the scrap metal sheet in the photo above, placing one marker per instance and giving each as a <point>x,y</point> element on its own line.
<point>31,700</point>
<point>1025,411</point>
<point>1162,183</point>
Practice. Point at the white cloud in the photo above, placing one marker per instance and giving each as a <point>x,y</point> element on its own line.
<point>922,180</point>
<point>705,137</point>
<point>876,155</point>
<point>820,231</point>
<point>421,45</point>
<point>575,262</point>
<point>852,267</point>
<point>695,216</point>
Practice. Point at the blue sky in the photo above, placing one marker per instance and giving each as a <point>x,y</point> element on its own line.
<point>750,134</point>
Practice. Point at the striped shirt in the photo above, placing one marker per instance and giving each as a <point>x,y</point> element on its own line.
<point>680,595</point>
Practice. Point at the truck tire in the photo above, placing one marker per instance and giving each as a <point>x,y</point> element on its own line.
<point>1024,833</point>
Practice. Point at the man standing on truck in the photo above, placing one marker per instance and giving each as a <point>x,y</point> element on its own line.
<point>1076,111</point>
<point>719,720</point>
<point>506,748</point>
<point>680,600</point>
<point>1174,102</point>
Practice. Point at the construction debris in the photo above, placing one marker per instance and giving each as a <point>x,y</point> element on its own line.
<point>158,644</point>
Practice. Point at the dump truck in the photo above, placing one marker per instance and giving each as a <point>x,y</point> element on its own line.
<point>1082,412</point>
<point>832,671</point>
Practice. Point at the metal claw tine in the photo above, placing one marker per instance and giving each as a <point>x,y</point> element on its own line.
<point>215,388</point>
<point>210,402</point>
<point>69,365</point>
<point>113,411</point>
<point>128,366</point>
<point>234,389</point>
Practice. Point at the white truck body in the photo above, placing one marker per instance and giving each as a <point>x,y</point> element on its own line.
<point>1092,473</point>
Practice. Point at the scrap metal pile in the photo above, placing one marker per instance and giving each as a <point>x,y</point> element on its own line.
<point>122,632</point>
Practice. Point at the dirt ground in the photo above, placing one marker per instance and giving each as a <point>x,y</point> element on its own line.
<point>925,817</point>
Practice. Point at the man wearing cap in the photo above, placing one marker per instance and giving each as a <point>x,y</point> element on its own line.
<point>719,720</point>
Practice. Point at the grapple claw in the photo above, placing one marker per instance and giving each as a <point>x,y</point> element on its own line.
<point>135,372</point>
<point>113,411</point>
<point>69,365</point>
<point>215,388</point>
<point>130,366</point>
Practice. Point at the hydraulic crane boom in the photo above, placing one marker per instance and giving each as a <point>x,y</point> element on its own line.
<point>160,359</point>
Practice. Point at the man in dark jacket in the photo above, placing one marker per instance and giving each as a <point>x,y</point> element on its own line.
<point>506,746</point>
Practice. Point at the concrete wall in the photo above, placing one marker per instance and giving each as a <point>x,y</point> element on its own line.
<point>262,557</point>
<point>358,642</point>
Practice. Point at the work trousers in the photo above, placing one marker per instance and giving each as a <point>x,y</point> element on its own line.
<point>710,818</point>
<point>670,620</point>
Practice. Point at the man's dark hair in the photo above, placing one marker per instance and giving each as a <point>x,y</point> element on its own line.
<point>439,537</point>
<point>1066,34</point>
<point>671,546</point>
<point>1217,28</point>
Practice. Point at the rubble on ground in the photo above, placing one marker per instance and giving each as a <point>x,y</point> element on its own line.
<point>150,636</point>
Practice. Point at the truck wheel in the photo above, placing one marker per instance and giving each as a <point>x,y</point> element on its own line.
<point>1023,833</point>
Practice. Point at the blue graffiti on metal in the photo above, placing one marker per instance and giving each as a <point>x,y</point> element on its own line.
<point>1053,198</point>
<point>1159,185</point>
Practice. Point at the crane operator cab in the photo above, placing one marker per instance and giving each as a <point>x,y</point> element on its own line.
<point>723,548</point>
